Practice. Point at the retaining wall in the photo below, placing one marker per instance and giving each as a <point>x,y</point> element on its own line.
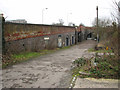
<point>36,37</point>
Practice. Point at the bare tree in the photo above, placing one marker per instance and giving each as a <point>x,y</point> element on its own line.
<point>119,12</point>
<point>116,13</point>
<point>81,24</point>
<point>61,23</point>
<point>103,22</point>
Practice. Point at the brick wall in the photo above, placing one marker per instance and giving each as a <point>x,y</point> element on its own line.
<point>35,37</point>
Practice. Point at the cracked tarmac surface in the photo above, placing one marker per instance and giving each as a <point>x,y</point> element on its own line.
<point>47,71</point>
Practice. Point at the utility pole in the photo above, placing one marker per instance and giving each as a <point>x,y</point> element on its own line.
<point>97,25</point>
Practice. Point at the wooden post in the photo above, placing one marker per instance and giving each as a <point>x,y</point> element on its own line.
<point>97,25</point>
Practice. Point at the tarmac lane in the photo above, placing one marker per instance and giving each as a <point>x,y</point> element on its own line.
<point>47,71</point>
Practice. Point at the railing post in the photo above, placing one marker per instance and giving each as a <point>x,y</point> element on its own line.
<point>2,38</point>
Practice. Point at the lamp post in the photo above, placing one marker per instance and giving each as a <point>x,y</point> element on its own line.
<point>68,17</point>
<point>43,13</point>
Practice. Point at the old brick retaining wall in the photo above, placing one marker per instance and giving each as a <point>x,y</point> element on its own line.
<point>36,37</point>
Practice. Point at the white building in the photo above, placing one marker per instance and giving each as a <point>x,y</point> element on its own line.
<point>17,21</point>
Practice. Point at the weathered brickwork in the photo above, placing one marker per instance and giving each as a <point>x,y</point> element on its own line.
<point>34,37</point>
<point>21,31</point>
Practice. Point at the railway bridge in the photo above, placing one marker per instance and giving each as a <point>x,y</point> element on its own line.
<point>84,33</point>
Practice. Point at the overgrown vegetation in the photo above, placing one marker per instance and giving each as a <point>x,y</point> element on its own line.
<point>17,58</point>
<point>108,34</point>
<point>105,66</point>
<point>12,59</point>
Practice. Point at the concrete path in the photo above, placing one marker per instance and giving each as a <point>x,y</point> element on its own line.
<point>48,71</point>
<point>95,83</point>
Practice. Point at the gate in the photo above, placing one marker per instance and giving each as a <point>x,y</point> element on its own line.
<point>59,41</point>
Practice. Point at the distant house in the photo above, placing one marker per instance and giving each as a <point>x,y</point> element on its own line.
<point>17,21</point>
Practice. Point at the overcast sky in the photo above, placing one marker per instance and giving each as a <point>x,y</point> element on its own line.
<point>77,11</point>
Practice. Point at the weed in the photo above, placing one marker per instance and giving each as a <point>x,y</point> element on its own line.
<point>91,50</point>
<point>107,67</point>
<point>21,57</point>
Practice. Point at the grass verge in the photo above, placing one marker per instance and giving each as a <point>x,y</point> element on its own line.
<point>22,57</point>
<point>99,51</point>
